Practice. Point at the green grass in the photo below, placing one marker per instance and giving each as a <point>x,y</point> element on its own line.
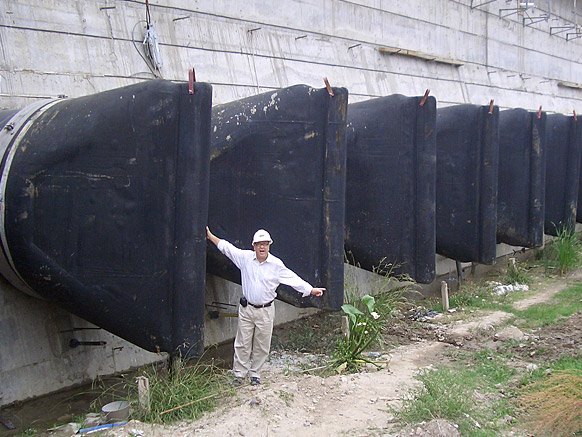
<point>183,394</point>
<point>491,366</point>
<point>477,296</point>
<point>568,250</point>
<point>568,363</point>
<point>517,273</point>
<point>563,253</point>
<point>444,394</point>
<point>450,393</point>
<point>565,363</point>
<point>563,304</point>
<point>198,387</point>
<point>468,392</point>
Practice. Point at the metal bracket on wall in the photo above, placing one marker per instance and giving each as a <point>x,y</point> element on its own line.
<point>473,5</point>
<point>219,311</point>
<point>506,12</point>
<point>73,343</point>
<point>522,7</point>
<point>560,29</point>
<point>533,20</point>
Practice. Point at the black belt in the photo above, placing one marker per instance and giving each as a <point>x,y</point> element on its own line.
<point>261,306</point>
<point>244,303</point>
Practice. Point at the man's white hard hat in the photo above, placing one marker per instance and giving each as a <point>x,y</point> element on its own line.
<point>262,235</point>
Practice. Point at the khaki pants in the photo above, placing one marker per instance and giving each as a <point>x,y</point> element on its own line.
<point>253,340</point>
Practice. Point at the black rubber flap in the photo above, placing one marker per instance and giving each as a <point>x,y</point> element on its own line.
<point>278,163</point>
<point>522,166</point>
<point>390,191</point>
<point>564,143</point>
<point>106,206</point>
<point>466,188</point>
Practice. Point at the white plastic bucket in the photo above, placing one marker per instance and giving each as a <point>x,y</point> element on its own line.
<point>116,411</point>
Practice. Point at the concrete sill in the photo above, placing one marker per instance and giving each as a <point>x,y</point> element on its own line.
<point>419,55</point>
<point>566,84</point>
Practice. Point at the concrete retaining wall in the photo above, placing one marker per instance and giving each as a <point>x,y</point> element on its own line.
<point>78,47</point>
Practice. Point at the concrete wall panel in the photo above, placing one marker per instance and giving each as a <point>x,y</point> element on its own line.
<point>315,32</point>
<point>35,356</point>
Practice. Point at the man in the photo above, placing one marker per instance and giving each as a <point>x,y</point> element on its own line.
<point>261,274</point>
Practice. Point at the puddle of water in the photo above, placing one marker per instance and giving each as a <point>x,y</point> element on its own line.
<point>33,417</point>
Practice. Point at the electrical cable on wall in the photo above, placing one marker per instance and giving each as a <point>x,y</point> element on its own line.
<point>150,44</point>
<point>154,72</point>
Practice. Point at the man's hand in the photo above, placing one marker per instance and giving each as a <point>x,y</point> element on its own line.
<point>317,292</point>
<point>211,236</point>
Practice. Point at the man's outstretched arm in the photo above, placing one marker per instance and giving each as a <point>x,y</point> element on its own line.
<point>235,254</point>
<point>289,277</point>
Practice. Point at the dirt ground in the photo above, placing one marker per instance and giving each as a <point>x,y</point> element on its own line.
<point>292,402</point>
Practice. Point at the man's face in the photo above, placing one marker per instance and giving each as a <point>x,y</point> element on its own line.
<point>261,250</point>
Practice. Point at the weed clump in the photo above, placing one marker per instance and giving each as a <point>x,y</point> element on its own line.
<point>564,304</point>
<point>183,393</point>
<point>446,396</point>
<point>365,328</point>
<point>453,392</point>
<point>564,253</point>
<point>368,314</point>
<point>516,274</point>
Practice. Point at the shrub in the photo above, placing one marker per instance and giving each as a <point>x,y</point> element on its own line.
<point>365,328</point>
<point>564,252</point>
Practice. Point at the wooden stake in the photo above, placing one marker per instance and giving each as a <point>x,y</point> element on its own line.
<point>445,295</point>
<point>346,327</point>
<point>143,393</point>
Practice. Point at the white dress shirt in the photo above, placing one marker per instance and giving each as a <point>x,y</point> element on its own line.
<point>260,280</point>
